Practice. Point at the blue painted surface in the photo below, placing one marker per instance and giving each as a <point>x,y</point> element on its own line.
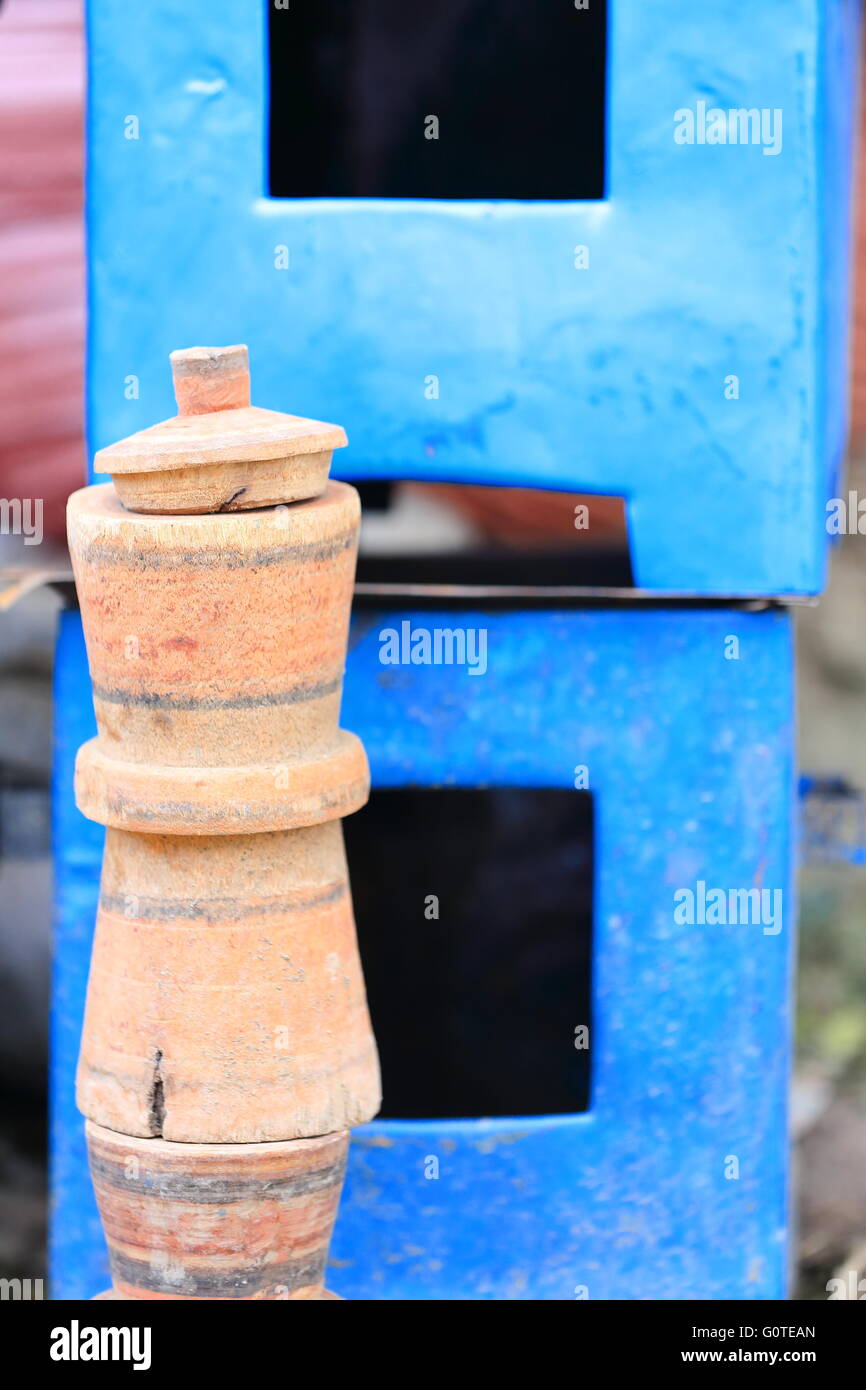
<point>705,261</point>
<point>78,1258</point>
<point>691,765</point>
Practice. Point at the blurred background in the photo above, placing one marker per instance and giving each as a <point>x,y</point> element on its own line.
<point>42,454</point>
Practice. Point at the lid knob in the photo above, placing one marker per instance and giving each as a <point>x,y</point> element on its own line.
<point>208,379</point>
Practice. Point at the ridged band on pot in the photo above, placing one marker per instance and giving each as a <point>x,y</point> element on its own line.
<point>216,647</point>
<point>217,1222</point>
<point>226,999</point>
<point>219,453</point>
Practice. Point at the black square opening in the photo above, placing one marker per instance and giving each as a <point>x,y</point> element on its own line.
<point>417,532</point>
<point>449,99</point>
<point>484,1008</point>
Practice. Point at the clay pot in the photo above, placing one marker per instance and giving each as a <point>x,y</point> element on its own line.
<point>226,1002</point>
<point>219,453</point>
<point>216,648</point>
<point>217,1222</point>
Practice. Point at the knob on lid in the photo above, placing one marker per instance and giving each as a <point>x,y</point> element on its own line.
<point>209,379</point>
<point>219,453</point>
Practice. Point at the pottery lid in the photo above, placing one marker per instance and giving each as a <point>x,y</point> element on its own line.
<point>215,422</point>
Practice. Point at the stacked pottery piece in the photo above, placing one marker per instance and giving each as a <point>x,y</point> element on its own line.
<point>227,1048</point>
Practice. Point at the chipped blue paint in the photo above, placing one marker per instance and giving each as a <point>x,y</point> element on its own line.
<point>705,261</point>
<point>691,765</point>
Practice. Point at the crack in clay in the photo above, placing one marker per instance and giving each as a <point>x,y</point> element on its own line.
<point>234,497</point>
<point>156,1099</point>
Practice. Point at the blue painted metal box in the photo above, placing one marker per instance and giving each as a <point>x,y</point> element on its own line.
<point>680,342</point>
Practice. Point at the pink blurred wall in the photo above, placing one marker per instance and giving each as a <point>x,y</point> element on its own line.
<point>41,253</point>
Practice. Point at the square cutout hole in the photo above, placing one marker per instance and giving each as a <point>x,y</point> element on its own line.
<point>474,912</point>
<point>463,99</point>
<point>457,533</point>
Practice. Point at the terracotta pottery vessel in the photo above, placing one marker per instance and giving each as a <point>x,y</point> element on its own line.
<point>227,1047</point>
<point>219,453</point>
<point>216,1222</point>
<point>216,647</point>
<point>226,1001</point>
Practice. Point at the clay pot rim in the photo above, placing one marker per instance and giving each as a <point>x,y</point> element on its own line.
<point>248,434</point>
<point>218,487</point>
<point>338,776</point>
<point>100,505</point>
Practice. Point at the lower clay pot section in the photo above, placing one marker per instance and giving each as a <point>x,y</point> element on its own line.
<point>217,1222</point>
<point>223,800</point>
<point>226,1002</point>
